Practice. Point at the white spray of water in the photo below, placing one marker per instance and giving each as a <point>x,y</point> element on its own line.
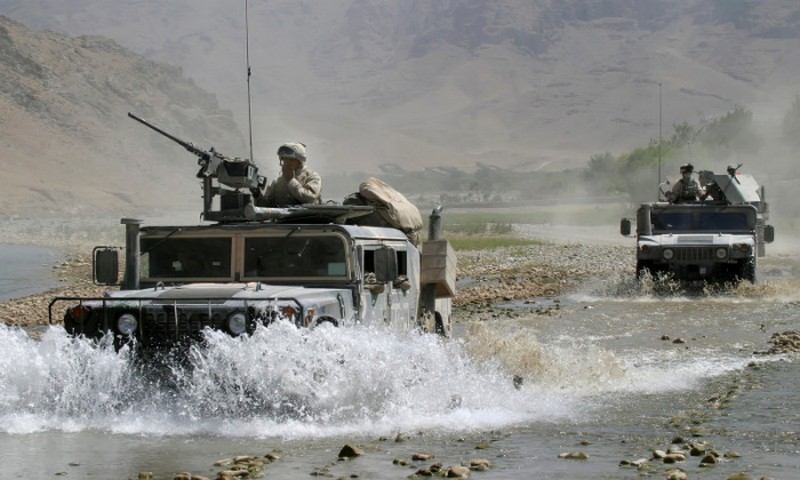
<point>295,383</point>
<point>279,382</point>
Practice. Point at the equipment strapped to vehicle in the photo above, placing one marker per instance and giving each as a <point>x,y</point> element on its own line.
<point>392,205</point>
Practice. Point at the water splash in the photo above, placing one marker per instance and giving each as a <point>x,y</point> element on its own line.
<point>282,381</point>
<point>623,286</point>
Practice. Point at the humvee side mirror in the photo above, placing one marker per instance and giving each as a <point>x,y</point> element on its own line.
<point>385,264</point>
<point>769,233</point>
<point>625,227</point>
<point>105,266</point>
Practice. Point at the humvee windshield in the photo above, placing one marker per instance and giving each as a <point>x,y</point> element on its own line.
<point>211,258</point>
<point>694,220</point>
<point>194,257</point>
<point>295,256</point>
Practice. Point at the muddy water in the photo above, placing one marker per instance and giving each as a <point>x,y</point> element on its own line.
<point>613,371</point>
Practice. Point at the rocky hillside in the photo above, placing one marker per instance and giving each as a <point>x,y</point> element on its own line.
<point>65,139</point>
<point>521,84</point>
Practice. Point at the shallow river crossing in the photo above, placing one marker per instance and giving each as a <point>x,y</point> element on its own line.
<point>614,372</point>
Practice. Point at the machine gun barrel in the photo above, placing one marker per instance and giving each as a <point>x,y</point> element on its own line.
<point>204,155</point>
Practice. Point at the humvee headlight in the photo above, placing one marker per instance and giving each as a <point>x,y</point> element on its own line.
<point>237,323</point>
<point>721,253</point>
<point>668,254</point>
<point>743,247</point>
<point>126,324</point>
<point>79,313</point>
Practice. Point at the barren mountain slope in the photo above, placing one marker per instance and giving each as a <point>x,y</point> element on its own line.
<point>524,84</point>
<point>66,143</point>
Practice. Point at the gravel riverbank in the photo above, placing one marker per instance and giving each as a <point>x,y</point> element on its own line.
<point>547,269</point>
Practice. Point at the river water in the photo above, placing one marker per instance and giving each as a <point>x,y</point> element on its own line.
<point>26,270</point>
<point>602,374</point>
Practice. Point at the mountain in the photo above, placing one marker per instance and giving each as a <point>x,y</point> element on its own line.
<point>65,139</point>
<point>520,84</point>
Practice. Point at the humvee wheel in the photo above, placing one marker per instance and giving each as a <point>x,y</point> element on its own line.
<point>439,327</point>
<point>747,270</point>
<point>643,268</point>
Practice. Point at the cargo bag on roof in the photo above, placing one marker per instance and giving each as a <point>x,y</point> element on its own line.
<point>392,207</point>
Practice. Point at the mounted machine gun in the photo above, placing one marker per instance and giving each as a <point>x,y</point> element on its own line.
<point>222,176</point>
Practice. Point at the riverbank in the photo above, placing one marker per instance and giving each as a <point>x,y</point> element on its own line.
<point>545,269</point>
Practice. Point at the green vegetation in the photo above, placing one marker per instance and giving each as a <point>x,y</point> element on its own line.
<point>461,242</point>
<point>498,197</point>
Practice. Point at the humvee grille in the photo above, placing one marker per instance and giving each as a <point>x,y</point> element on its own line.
<point>699,254</point>
<point>162,326</point>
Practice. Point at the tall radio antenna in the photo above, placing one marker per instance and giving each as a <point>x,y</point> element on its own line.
<point>659,133</point>
<point>249,72</point>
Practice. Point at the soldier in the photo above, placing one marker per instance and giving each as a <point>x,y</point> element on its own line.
<point>297,184</point>
<point>685,190</point>
<point>710,189</point>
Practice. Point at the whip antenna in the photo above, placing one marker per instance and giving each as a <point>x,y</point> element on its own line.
<point>247,55</point>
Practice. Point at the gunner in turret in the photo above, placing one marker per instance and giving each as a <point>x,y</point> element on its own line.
<point>685,190</point>
<point>297,184</point>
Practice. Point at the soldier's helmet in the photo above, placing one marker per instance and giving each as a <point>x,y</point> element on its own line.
<point>293,150</point>
<point>687,167</point>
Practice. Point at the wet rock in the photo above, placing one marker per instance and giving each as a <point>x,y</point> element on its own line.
<point>480,464</point>
<point>732,454</point>
<point>145,476</point>
<point>350,451</point>
<point>574,455</point>
<point>676,474</point>
<point>182,476</point>
<point>709,459</point>
<point>458,471</point>
<point>400,461</point>
<point>639,463</point>
<point>229,474</point>
<point>698,450</point>
<point>740,476</point>
<point>674,448</point>
<point>679,341</point>
<point>785,342</point>
<point>674,458</point>
<point>424,472</point>
<point>272,457</point>
<point>659,454</point>
<point>422,456</point>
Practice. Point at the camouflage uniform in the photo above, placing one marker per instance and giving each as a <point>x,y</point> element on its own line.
<point>306,187</point>
<point>685,191</point>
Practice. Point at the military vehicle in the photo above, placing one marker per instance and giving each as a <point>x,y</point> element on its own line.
<point>716,239</point>
<point>308,265</point>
